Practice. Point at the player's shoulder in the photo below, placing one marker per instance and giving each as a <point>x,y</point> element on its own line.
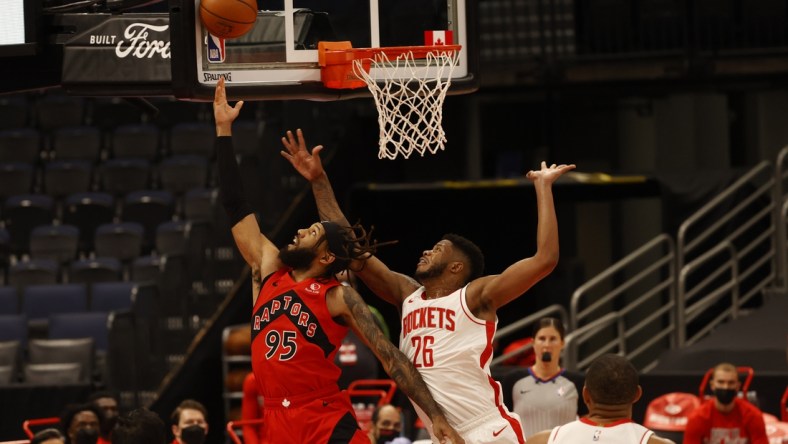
<point>654,439</point>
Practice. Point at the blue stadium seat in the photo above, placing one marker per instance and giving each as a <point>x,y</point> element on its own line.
<point>121,176</point>
<point>87,211</point>
<point>14,328</point>
<point>33,272</point>
<point>54,111</point>
<point>64,351</point>
<point>76,143</point>
<point>64,177</point>
<point>9,301</point>
<point>14,111</point>
<point>53,374</point>
<point>24,212</point>
<point>192,138</point>
<point>16,178</point>
<point>56,242</point>
<point>112,296</point>
<point>149,208</point>
<point>182,173</point>
<point>100,269</point>
<point>41,301</point>
<point>110,113</point>
<point>5,249</point>
<point>200,205</point>
<point>119,240</point>
<point>81,325</point>
<point>140,141</point>
<point>173,238</point>
<point>20,145</point>
<point>10,352</point>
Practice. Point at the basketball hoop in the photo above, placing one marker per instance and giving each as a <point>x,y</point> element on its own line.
<point>408,94</point>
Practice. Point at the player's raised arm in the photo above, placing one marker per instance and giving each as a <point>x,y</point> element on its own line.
<point>354,311</point>
<point>256,249</point>
<point>490,292</point>
<point>391,286</point>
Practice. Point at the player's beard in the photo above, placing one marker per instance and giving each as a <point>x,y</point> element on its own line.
<point>297,258</point>
<point>434,270</point>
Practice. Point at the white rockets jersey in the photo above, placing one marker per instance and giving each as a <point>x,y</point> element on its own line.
<point>585,431</point>
<point>452,349</point>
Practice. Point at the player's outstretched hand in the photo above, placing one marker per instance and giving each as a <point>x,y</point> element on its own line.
<point>306,163</point>
<point>549,174</point>
<point>444,432</point>
<point>223,113</point>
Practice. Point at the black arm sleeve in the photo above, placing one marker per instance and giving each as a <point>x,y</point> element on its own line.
<point>231,188</point>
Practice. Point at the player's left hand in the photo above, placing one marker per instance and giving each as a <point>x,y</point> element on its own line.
<point>444,432</point>
<point>549,174</point>
<point>308,165</point>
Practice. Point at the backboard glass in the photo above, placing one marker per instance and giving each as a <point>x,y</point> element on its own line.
<point>278,58</point>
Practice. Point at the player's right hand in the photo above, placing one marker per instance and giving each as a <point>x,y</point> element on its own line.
<point>444,432</point>
<point>307,164</point>
<point>223,113</point>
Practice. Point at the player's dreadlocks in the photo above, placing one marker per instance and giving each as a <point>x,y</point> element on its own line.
<point>349,244</point>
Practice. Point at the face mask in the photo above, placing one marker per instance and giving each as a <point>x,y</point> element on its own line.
<point>386,436</point>
<point>725,396</point>
<point>86,436</point>
<point>547,357</point>
<point>193,435</point>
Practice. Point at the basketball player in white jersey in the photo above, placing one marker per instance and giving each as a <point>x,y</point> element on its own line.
<point>449,310</point>
<point>611,387</point>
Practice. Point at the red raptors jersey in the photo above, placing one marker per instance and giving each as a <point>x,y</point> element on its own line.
<point>294,338</point>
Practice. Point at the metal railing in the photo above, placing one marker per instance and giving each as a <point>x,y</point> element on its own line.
<point>584,334</point>
<point>739,220</point>
<point>734,246</point>
<point>650,290</point>
<point>781,218</point>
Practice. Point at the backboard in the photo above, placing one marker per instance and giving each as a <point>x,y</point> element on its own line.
<point>278,58</point>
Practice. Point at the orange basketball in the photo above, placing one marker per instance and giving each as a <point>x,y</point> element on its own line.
<point>239,342</point>
<point>228,18</point>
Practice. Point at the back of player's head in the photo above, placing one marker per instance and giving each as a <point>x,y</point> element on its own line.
<point>47,435</point>
<point>473,254</point>
<point>138,426</point>
<point>612,380</point>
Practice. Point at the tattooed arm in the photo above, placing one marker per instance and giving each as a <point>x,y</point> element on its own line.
<point>346,303</point>
<point>387,284</point>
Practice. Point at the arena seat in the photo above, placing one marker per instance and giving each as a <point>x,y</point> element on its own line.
<point>81,325</point>
<point>200,205</point>
<point>112,296</point>
<point>122,176</point>
<point>76,143</point>
<point>9,301</point>
<point>87,211</point>
<point>14,328</point>
<point>14,111</point>
<point>55,242</point>
<point>33,272</point>
<point>113,112</point>
<point>52,374</point>
<point>136,141</point>
<point>181,173</point>
<point>149,208</point>
<point>10,353</point>
<point>20,145</point>
<point>99,269</point>
<point>64,177</point>
<point>193,138</point>
<point>64,351</point>
<point>39,302</point>
<point>24,212</point>
<point>173,238</point>
<point>15,178</point>
<point>54,111</point>
<point>122,240</point>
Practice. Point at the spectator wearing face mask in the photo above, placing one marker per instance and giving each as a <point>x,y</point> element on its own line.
<point>725,418</point>
<point>82,424</point>
<point>188,423</point>
<point>386,426</point>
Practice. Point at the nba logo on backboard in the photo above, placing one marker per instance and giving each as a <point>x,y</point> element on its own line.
<point>438,38</point>
<point>215,49</point>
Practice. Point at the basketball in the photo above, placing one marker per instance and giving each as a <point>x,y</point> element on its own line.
<point>228,18</point>
<point>239,342</point>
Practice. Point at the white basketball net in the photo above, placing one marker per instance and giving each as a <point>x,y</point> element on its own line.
<point>410,105</point>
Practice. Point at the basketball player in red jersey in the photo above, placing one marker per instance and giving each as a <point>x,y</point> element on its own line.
<point>449,311</point>
<point>301,314</point>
